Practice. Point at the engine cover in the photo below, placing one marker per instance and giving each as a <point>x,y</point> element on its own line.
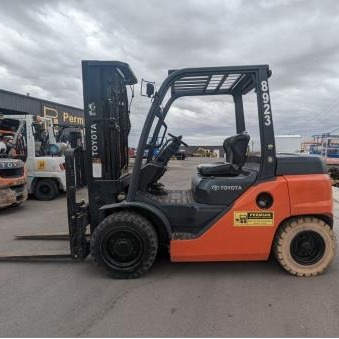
<point>221,190</point>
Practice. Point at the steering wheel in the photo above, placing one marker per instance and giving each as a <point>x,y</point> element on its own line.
<point>178,139</point>
<point>169,149</point>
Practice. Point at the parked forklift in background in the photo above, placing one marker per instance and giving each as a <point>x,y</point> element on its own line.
<point>241,209</point>
<point>13,173</point>
<point>33,140</point>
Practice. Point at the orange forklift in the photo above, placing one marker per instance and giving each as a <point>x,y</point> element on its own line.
<point>240,209</point>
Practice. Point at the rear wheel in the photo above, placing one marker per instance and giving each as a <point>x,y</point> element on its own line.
<point>125,245</point>
<point>46,190</point>
<point>305,246</point>
<point>16,204</point>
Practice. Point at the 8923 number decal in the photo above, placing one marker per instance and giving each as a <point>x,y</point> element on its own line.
<point>266,103</point>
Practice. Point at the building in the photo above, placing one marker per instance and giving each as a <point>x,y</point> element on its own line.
<point>283,144</point>
<point>218,151</point>
<point>14,103</point>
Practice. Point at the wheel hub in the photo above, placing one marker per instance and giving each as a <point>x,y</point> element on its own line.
<point>123,247</point>
<point>307,247</point>
<point>45,189</point>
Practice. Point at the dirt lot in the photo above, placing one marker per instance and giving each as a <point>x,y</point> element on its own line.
<point>200,299</point>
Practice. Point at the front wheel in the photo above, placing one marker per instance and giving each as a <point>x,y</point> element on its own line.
<point>305,246</point>
<point>125,245</point>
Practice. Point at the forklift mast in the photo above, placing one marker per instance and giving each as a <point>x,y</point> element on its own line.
<point>107,126</point>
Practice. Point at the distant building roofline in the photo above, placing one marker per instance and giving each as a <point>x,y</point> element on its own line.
<point>288,136</point>
<point>39,99</point>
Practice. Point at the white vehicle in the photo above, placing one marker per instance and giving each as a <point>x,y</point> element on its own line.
<point>33,141</point>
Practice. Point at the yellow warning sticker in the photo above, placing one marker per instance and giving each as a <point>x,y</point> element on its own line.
<point>41,164</point>
<point>253,218</point>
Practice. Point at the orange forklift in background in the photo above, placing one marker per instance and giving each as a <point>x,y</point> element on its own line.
<point>13,172</point>
<point>243,208</point>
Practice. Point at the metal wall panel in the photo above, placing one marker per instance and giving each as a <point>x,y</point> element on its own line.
<point>63,114</point>
<point>19,103</point>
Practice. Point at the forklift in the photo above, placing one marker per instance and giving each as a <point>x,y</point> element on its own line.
<point>31,139</point>
<point>242,209</point>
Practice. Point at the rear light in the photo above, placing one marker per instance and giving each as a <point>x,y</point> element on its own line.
<point>62,166</point>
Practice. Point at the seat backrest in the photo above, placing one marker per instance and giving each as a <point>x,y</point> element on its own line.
<point>236,148</point>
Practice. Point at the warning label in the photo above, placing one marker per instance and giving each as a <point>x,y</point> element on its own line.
<point>41,165</point>
<point>253,218</point>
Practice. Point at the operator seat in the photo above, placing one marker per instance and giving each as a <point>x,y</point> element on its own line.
<point>235,148</point>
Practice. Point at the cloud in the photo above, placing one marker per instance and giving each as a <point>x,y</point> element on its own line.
<point>43,43</point>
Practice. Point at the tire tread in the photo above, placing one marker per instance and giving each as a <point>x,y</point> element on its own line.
<point>134,218</point>
<point>287,227</point>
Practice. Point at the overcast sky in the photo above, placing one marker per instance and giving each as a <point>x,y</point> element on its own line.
<point>43,43</point>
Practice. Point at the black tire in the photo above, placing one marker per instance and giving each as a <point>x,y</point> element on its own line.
<point>45,190</point>
<point>124,245</point>
<point>16,204</point>
<point>305,246</point>
<point>334,173</point>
